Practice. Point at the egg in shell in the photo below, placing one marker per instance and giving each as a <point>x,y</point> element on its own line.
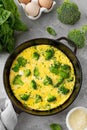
<point>46,3</point>
<point>24,1</point>
<point>32,9</point>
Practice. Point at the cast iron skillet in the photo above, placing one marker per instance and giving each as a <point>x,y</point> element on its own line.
<point>68,52</point>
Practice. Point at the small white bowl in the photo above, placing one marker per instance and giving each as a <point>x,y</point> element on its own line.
<point>42,10</point>
<point>71,112</point>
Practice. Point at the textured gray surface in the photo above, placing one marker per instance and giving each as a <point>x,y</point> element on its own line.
<point>37,29</point>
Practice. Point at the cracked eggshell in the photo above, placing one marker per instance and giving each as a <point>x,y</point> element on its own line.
<point>32,9</point>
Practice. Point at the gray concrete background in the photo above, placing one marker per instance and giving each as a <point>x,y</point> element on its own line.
<point>37,29</point>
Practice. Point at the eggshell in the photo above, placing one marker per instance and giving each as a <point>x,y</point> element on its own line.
<point>32,9</point>
<point>24,1</point>
<point>46,3</point>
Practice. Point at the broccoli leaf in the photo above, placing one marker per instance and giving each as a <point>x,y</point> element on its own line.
<point>55,126</point>
<point>51,31</point>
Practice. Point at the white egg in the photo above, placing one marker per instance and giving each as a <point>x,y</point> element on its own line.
<point>32,9</point>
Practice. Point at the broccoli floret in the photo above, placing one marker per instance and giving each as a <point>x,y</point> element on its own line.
<point>36,55</point>
<point>38,98</point>
<point>68,12</point>
<point>24,97</point>
<point>60,81</point>
<point>64,90</point>
<point>78,37</point>
<point>51,98</point>
<point>27,72</point>
<point>47,81</point>
<point>54,68</point>
<point>63,74</point>
<point>16,67</point>
<point>17,80</point>
<point>22,61</point>
<point>33,84</point>
<point>49,54</point>
<point>65,67</point>
<point>36,72</point>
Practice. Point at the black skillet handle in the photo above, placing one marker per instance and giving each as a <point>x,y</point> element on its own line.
<point>71,43</point>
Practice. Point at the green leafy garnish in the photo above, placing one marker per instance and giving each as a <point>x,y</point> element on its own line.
<point>51,31</point>
<point>55,126</point>
<point>9,22</point>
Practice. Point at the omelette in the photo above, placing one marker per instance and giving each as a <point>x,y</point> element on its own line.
<point>42,77</point>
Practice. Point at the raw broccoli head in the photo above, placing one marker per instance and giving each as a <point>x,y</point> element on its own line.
<point>78,37</point>
<point>68,12</point>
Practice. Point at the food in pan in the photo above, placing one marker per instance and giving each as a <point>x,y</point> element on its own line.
<point>42,77</point>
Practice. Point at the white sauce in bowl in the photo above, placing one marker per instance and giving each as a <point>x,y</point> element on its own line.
<point>77,119</point>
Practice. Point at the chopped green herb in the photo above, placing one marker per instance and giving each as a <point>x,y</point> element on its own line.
<point>17,80</point>
<point>47,81</point>
<point>36,55</point>
<point>51,31</point>
<point>55,126</point>
<point>33,84</point>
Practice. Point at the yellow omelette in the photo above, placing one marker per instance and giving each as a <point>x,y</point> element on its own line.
<point>42,77</point>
